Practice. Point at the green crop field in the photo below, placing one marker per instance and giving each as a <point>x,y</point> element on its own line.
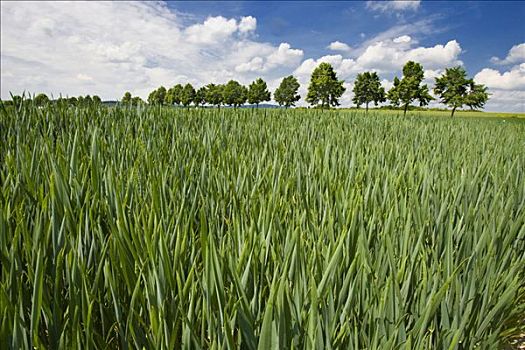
<point>439,113</point>
<point>163,228</point>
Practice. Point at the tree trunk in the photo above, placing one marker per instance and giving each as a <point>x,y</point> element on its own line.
<point>405,112</point>
<point>367,108</point>
<point>453,110</point>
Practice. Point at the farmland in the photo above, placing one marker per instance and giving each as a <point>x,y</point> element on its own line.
<point>444,113</point>
<point>156,227</point>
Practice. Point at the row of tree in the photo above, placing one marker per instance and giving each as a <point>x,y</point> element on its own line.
<point>325,89</point>
<point>453,88</point>
<point>232,93</point>
<point>42,100</point>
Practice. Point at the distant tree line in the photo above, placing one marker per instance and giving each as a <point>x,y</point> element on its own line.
<point>42,99</point>
<point>453,88</point>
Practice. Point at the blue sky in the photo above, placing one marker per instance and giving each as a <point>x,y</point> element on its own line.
<point>484,28</point>
<point>107,48</point>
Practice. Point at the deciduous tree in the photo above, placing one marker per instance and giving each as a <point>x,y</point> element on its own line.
<point>234,94</point>
<point>136,101</point>
<point>214,95</point>
<point>286,94</point>
<point>41,100</point>
<point>258,92</point>
<point>324,87</point>
<point>477,96</point>
<point>187,95</point>
<point>173,96</point>
<point>126,99</point>
<point>456,90</point>
<point>367,88</point>
<point>200,96</point>
<point>409,88</point>
<point>157,97</point>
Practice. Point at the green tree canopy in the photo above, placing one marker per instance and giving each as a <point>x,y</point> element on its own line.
<point>258,92</point>
<point>324,87</point>
<point>88,101</point>
<point>187,95</point>
<point>61,101</point>
<point>72,100</point>
<point>286,94</point>
<point>136,100</point>
<point>456,90</point>
<point>41,99</point>
<point>174,94</point>
<point>97,100</point>
<point>409,88</point>
<point>152,97</point>
<point>214,95</point>
<point>200,96</point>
<point>477,96</point>
<point>157,97</point>
<point>234,93</point>
<point>367,88</point>
<point>126,99</point>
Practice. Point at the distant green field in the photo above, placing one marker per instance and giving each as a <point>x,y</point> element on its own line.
<point>163,228</point>
<point>466,114</point>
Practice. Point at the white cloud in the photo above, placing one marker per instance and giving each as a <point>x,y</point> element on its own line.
<point>384,56</point>
<point>516,55</point>
<point>214,30</point>
<point>283,56</point>
<point>437,56</point>
<point>431,74</point>
<point>135,46</point>
<point>393,5</point>
<point>339,46</point>
<point>506,100</point>
<point>510,80</point>
<point>247,24</point>
<point>402,39</point>
<point>507,89</point>
<point>254,65</point>
<point>81,76</point>
<point>344,67</point>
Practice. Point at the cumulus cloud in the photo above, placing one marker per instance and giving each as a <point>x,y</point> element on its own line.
<point>431,74</point>
<point>510,80</point>
<point>339,46</point>
<point>403,39</point>
<point>282,56</point>
<point>214,30</point>
<point>507,88</point>
<point>387,57</point>
<point>506,100</point>
<point>437,56</point>
<point>393,5</point>
<point>247,24</point>
<point>285,56</point>
<point>516,55</point>
<point>135,46</point>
